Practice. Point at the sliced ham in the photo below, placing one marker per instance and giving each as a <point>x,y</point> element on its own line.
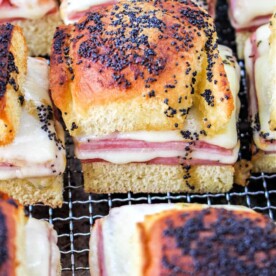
<point>11,10</point>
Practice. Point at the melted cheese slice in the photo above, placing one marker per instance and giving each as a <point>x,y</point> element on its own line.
<point>32,152</point>
<point>42,253</point>
<point>27,9</point>
<point>227,138</point>
<point>264,74</point>
<point>245,11</point>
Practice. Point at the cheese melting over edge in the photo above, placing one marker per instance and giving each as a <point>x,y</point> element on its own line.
<point>32,153</point>
<point>263,74</point>
<point>244,11</point>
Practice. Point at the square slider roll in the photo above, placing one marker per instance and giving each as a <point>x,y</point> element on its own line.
<point>260,61</point>
<point>183,239</point>
<point>28,246</point>
<point>149,98</point>
<point>72,10</point>
<point>37,18</point>
<point>246,16</point>
<point>32,154</point>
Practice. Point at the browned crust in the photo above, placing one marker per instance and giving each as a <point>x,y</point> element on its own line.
<point>263,162</point>
<point>171,57</point>
<point>181,240</point>
<point>13,67</point>
<point>9,215</point>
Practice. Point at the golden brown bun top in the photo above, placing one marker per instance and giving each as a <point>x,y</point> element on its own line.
<point>211,241</point>
<point>13,67</point>
<point>9,215</point>
<point>161,51</point>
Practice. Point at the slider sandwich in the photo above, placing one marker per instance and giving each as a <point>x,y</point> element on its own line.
<point>32,154</point>
<point>260,61</point>
<point>37,18</point>
<point>246,16</point>
<point>149,98</point>
<point>183,239</point>
<point>28,246</point>
<point>72,10</point>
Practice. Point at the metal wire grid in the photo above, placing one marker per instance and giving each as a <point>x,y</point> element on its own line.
<point>79,211</point>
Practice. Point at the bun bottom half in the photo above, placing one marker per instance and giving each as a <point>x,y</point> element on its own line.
<point>46,190</point>
<point>103,177</point>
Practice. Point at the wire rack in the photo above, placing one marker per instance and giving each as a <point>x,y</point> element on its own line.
<point>80,210</point>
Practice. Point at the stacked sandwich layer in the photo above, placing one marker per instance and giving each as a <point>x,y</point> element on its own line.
<point>32,154</point>
<point>184,239</point>
<point>28,246</point>
<point>149,97</point>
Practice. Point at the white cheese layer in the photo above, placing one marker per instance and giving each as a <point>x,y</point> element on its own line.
<point>244,11</point>
<point>26,9</point>
<point>42,253</point>
<point>263,76</point>
<point>32,153</point>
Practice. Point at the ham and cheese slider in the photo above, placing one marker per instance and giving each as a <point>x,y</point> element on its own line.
<point>37,18</point>
<point>32,154</point>
<point>72,10</point>
<point>260,61</point>
<point>28,246</point>
<point>182,239</point>
<point>246,16</point>
<point>149,98</point>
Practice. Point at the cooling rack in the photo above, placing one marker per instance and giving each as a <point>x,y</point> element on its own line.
<point>79,211</point>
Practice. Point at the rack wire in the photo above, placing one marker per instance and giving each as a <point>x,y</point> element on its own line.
<point>80,210</point>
